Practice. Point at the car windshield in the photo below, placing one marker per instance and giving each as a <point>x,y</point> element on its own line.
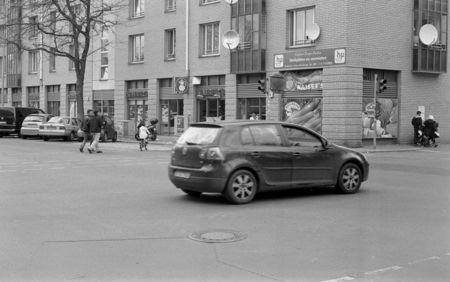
<point>34,118</point>
<point>199,135</point>
<point>58,120</point>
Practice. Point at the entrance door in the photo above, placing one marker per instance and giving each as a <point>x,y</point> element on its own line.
<point>169,110</point>
<point>210,109</point>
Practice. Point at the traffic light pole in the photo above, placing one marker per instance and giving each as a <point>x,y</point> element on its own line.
<point>375,86</point>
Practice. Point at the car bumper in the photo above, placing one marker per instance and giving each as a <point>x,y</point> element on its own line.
<point>5,130</point>
<point>207,179</point>
<point>366,171</point>
<point>53,133</point>
<point>29,131</point>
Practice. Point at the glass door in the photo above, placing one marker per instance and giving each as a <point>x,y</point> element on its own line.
<point>170,109</point>
<point>210,109</point>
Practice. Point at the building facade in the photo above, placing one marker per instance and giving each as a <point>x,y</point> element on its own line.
<point>168,61</point>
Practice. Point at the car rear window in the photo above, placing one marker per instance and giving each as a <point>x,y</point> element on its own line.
<point>59,120</point>
<point>196,135</point>
<point>34,118</point>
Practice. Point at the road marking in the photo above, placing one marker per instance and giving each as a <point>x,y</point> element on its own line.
<point>424,260</point>
<point>345,278</point>
<point>377,271</point>
<point>57,168</point>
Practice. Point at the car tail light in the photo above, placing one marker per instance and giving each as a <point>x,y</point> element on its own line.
<point>211,154</point>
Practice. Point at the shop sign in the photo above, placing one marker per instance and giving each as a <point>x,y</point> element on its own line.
<point>208,92</point>
<point>310,58</point>
<point>182,85</point>
<point>305,81</point>
<point>137,93</point>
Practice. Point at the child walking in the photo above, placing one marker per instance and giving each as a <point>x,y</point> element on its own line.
<point>143,135</point>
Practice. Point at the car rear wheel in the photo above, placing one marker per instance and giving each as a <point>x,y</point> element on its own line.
<point>70,137</point>
<point>191,193</point>
<point>350,178</point>
<point>23,136</point>
<point>241,188</point>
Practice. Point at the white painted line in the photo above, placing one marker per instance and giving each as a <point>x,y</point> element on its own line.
<point>390,268</point>
<point>57,168</point>
<point>424,260</point>
<point>346,278</point>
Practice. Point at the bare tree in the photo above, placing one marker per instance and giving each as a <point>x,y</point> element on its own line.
<point>61,28</point>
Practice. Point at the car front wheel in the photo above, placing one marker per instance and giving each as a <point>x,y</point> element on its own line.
<point>350,178</point>
<point>241,187</point>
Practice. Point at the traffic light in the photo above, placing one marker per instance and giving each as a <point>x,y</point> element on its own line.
<point>382,85</point>
<point>262,85</point>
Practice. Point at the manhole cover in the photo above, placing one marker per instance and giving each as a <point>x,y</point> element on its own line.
<point>217,236</point>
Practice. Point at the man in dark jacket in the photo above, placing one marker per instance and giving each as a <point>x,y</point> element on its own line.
<point>95,128</point>
<point>417,124</point>
<point>430,130</point>
<point>85,129</point>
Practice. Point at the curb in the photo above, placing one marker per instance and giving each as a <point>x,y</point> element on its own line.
<point>368,151</point>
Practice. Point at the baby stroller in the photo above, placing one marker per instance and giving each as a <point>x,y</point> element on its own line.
<point>427,141</point>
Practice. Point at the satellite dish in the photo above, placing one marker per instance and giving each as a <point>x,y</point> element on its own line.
<point>231,2</point>
<point>313,32</point>
<point>230,39</point>
<point>428,34</point>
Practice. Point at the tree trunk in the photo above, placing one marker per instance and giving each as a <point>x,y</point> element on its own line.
<point>80,100</point>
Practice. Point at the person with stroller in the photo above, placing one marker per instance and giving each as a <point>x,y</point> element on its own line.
<point>143,135</point>
<point>430,128</point>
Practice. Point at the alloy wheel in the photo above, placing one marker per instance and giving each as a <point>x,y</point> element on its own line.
<point>351,179</point>
<point>243,186</point>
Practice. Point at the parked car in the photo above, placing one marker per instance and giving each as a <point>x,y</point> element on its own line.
<point>108,132</point>
<point>60,127</point>
<point>241,158</point>
<point>30,125</point>
<point>11,119</point>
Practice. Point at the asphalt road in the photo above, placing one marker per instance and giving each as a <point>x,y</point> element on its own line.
<point>115,216</point>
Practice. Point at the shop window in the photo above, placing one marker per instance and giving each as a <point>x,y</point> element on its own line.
<point>303,111</point>
<point>137,48</point>
<point>299,21</point>
<point>137,110</point>
<point>210,39</point>
<point>105,107</point>
<point>252,108</point>
<point>137,8</point>
<point>430,58</point>
<point>170,43</point>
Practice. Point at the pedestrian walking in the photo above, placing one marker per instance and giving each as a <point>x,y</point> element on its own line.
<point>143,135</point>
<point>430,130</point>
<point>95,129</point>
<point>417,125</point>
<point>85,129</point>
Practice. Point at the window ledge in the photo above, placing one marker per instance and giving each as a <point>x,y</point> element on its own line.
<point>209,3</point>
<point>168,11</point>
<point>301,46</point>
<point>209,56</point>
<point>170,59</point>
<point>52,71</point>
<point>136,17</point>
<point>136,63</point>
<point>32,72</point>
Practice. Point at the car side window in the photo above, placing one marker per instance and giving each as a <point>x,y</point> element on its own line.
<point>266,135</point>
<point>301,138</point>
<point>246,137</point>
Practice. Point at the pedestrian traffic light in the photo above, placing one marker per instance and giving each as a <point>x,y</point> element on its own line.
<point>382,85</point>
<point>262,85</point>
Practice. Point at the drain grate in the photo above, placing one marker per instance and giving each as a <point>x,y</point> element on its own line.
<point>217,236</point>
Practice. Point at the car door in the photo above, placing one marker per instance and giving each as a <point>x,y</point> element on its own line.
<point>265,150</point>
<point>312,164</point>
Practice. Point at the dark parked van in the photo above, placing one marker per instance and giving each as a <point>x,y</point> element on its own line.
<point>11,119</point>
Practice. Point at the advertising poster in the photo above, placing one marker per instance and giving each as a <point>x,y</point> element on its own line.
<point>380,120</point>
<point>306,112</point>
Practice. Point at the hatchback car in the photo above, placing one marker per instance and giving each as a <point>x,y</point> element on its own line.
<point>60,127</point>
<point>239,159</point>
<point>30,125</point>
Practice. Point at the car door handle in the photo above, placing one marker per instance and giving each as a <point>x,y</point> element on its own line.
<point>255,154</point>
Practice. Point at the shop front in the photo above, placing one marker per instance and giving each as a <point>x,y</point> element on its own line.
<point>171,105</point>
<point>33,97</point>
<point>137,101</point>
<point>251,102</point>
<point>301,101</point>
<point>16,97</point>
<point>104,102</point>
<point>210,98</point>
<point>72,99</point>
<point>53,99</point>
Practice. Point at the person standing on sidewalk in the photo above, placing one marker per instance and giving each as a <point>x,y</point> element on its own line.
<point>95,129</point>
<point>85,129</point>
<point>417,124</point>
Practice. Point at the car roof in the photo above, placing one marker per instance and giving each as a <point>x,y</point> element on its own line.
<point>42,115</point>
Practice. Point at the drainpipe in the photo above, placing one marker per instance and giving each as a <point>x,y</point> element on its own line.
<point>187,37</point>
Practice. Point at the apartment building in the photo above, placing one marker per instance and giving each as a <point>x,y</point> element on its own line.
<point>166,60</point>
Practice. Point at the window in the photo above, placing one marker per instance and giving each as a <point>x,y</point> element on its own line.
<point>266,135</point>
<point>205,2</point>
<point>171,5</point>
<point>170,39</point>
<point>246,137</point>
<point>300,21</point>
<point>33,61</point>
<point>52,61</point>
<point>33,28</point>
<point>210,39</point>
<point>71,63</point>
<point>252,108</point>
<point>137,8</point>
<point>137,48</point>
<point>33,97</point>
<point>105,107</point>
<point>104,60</point>
<point>301,138</point>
